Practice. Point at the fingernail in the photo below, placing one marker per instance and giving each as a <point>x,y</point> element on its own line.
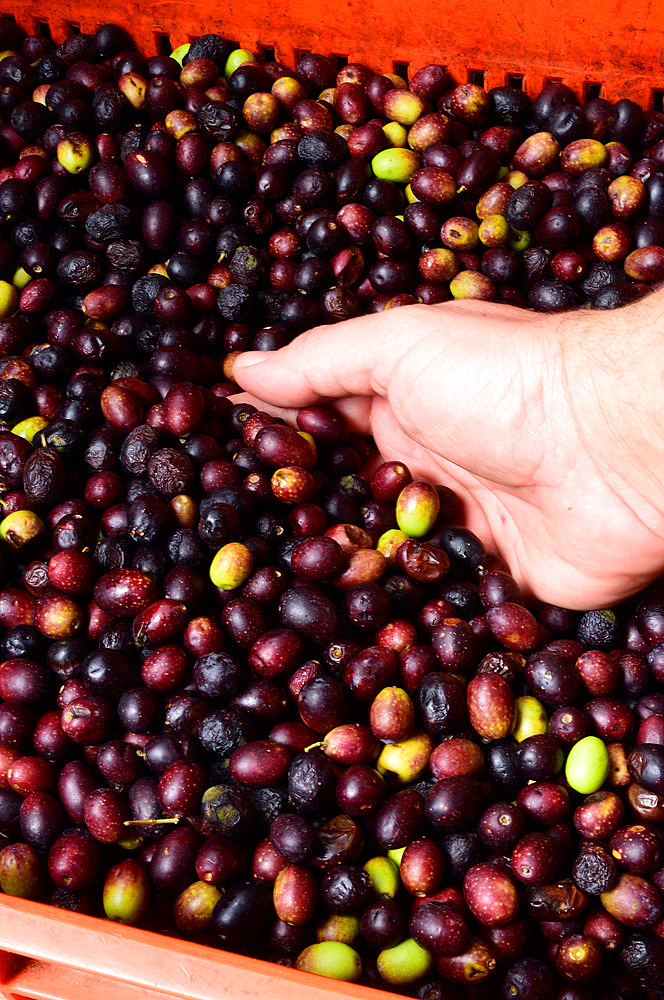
<point>249,358</point>
<point>238,361</point>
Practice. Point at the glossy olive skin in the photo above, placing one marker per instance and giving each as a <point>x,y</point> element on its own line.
<point>400,819</point>
<point>295,895</point>
<point>645,764</point>
<point>454,803</point>
<point>126,892</point>
<point>491,706</point>
<point>239,912</point>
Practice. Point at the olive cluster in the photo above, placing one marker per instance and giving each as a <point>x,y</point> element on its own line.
<point>246,201</point>
<point>252,693</point>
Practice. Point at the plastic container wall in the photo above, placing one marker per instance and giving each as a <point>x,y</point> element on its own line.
<point>607,48</point>
<point>52,954</point>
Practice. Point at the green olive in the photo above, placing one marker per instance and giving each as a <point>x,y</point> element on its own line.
<point>397,135</point>
<point>406,759</point>
<point>587,766</point>
<point>8,299</point>
<point>403,106</point>
<point>521,239</point>
<point>235,60</point>
<point>494,231</point>
<point>126,892</point>
<point>20,279</point>
<point>181,51</point>
<point>21,871</point>
<point>192,910</point>
<point>404,963</point>
<point>339,927</point>
<point>29,427</point>
<point>583,154</point>
<point>75,153</point>
<point>389,542</point>
<point>333,959</point>
<point>395,854</point>
<point>472,285</point>
<point>417,508</point>
<point>384,875</point>
<point>531,718</point>
<point>21,527</point>
<point>231,566</point>
<point>130,840</point>
<point>396,165</point>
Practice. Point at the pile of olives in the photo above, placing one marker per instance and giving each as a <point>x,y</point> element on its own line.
<point>259,689</point>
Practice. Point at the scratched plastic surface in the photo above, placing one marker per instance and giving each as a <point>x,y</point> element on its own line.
<point>51,954</point>
<point>608,48</point>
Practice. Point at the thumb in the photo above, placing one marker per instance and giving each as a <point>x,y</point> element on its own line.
<point>353,358</point>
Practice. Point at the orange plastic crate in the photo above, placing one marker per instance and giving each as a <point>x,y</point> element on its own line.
<point>52,954</point>
<point>606,48</point>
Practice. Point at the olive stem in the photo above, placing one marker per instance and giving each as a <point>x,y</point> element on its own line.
<point>152,822</point>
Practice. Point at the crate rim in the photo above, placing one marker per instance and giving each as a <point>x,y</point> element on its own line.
<point>157,962</point>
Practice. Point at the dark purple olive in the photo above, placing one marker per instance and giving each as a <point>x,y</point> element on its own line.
<point>241,914</point>
<point>311,782</point>
<point>501,825</point>
<point>369,671</point>
<point>41,819</point>
<point>309,612</point>
<point>454,803</point>
<point>399,821</point>
<point>646,765</point>
<point>478,171</point>
<point>360,790</point>
<point>346,889</point>
<point>442,703</point>
<point>383,924</point>
<point>171,868</point>
<point>551,679</point>
<point>528,204</point>
<point>529,979</point>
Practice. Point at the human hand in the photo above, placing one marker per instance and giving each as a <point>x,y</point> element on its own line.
<point>509,409</point>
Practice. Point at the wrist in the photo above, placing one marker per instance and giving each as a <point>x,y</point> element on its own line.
<point>613,365</point>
